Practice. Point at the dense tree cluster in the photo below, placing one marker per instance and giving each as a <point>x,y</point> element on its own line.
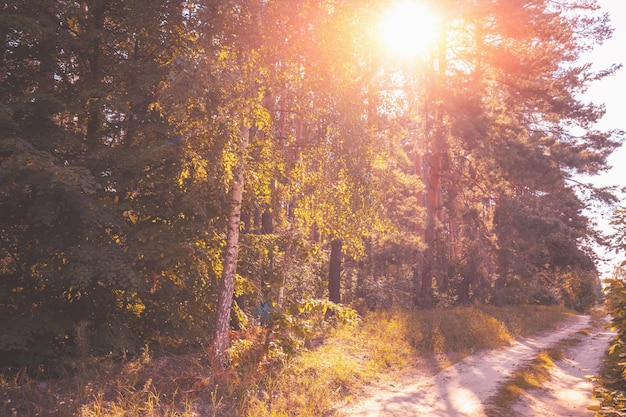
<point>171,170</point>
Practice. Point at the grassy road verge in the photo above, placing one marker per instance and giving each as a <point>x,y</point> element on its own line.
<point>333,371</point>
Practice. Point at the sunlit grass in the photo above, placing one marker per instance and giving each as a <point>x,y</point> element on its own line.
<point>389,345</point>
<point>527,320</point>
<point>384,346</point>
<point>317,381</point>
<point>465,329</point>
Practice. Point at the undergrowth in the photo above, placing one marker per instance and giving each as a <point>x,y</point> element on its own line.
<point>332,367</point>
<point>389,344</point>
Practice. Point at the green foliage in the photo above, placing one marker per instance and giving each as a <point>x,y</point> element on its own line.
<point>540,259</point>
<point>573,288</point>
<point>611,389</point>
<point>63,257</point>
<point>619,222</point>
<point>119,144</point>
<point>93,224</point>
<point>298,323</point>
<point>580,290</point>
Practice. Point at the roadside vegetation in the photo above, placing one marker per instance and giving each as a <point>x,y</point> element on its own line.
<point>263,380</point>
<point>610,389</point>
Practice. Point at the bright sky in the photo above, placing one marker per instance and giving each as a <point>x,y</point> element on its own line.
<point>612,92</point>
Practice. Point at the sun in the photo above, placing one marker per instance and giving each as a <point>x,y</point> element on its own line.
<point>408,29</point>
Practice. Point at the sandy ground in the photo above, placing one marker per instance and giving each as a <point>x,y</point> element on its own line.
<point>464,389</point>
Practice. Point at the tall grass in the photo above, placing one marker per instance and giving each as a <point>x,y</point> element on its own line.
<point>390,344</point>
<point>311,383</point>
<point>317,381</point>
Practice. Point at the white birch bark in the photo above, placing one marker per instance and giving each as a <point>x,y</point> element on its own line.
<point>222,324</point>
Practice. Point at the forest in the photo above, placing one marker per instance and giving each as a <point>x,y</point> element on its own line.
<point>174,172</point>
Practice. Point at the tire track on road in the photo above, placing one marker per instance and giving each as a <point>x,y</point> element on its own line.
<point>568,392</point>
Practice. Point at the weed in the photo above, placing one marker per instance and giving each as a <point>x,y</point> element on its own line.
<point>598,315</point>
<point>216,402</point>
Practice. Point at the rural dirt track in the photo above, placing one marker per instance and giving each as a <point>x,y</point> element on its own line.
<point>465,388</point>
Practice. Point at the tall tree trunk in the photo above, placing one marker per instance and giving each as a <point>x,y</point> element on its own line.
<point>267,228</point>
<point>433,201</point>
<point>433,173</point>
<point>334,271</point>
<point>225,300</point>
<point>280,300</point>
<point>365,270</point>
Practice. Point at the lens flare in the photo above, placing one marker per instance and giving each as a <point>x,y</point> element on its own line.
<point>408,29</point>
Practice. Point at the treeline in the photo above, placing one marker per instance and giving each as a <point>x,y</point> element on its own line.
<point>171,169</point>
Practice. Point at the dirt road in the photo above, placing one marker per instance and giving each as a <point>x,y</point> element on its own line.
<point>568,391</point>
<point>465,388</point>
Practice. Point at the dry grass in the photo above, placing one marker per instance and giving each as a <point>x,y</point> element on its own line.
<point>464,329</point>
<point>598,316</point>
<point>388,345</point>
<point>172,386</point>
<point>527,320</point>
<point>532,376</point>
<point>315,382</point>
<point>312,383</point>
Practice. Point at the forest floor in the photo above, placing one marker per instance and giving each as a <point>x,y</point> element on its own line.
<point>467,387</point>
